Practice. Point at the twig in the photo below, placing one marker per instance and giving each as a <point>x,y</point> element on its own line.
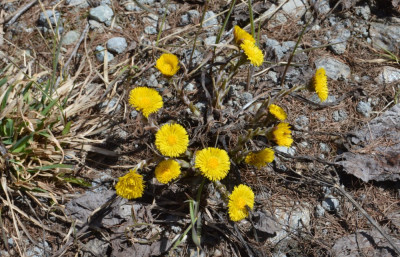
<point>13,17</point>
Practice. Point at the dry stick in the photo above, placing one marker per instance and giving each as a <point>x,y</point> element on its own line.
<point>369,218</point>
<point>13,17</point>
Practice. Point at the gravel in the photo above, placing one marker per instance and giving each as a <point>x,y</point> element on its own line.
<point>70,37</point>
<point>117,45</point>
<point>388,75</point>
<point>190,17</point>
<point>302,122</point>
<point>385,36</point>
<point>324,148</point>
<point>54,18</point>
<point>150,30</point>
<point>339,115</point>
<point>211,22</point>
<point>100,54</point>
<point>364,108</point>
<point>102,13</point>
<point>78,3</point>
<point>363,11</point>
<point>287,150</point>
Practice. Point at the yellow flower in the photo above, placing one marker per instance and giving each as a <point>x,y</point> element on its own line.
<point>282,134</point>
<point>146,100</point>
<point>277,111</point>
<point>241,198</point>
<point>240,35</point>
<point>167,170</point>
<point>168,64</point>
<point>130,186</point>
<point>172,140</point>
<point>254,54</point>
<point>320,84</point>
<point>260,158</point>
<point>213,163</point>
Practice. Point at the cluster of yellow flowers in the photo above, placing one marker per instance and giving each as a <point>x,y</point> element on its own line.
<point>248,44</point>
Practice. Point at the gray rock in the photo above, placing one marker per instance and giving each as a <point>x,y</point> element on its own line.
<point>294,8</point>
<point>264,222</point>
<point>190,87</point>
<point>40,250</point>
<point>151,19</point>
<point>70,37</point>
<point>319,211</point>
<point>190,17</point>
<point>53,17</point>
<point>385,36</point>
<point>132,7</point>
<point>324,148</point>
<point>96,247</point>
<point>364,108</point>
<point>302,122</point>
<point>117,45</point>
<point>338,46</point>
<point>196,59</point>
<point>275,47</point>
<point>330,203</point>
<point>134,114</point>
<point>339,115</point>
<point>77,3</point>
<point>334,68</point>
<point>287,150</point>
<point>364,11</point>
<point>150,30</point>
<point>304,144</point>
<point>100,54</point>
<point>95,25</point>
<point>104,2</point>
<point>246,97</point>
<point>212,21</point>
<point>210,40</point>
<point>102,13</point>
<point>389,75</point>
<point>315,99</point>
<point>273,76</point>
<point>322,6</point>
<point>152,81</point>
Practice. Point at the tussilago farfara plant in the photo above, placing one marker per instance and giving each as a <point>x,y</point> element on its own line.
<point>181,157</point>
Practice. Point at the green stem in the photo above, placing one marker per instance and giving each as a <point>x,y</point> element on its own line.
<point>197,32</point>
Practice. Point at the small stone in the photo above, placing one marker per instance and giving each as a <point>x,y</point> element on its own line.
<point>132,7</point>
<point>322,6</point>
<point>54,18</point>
<point>100,54</point>
<point>330,203</point>
<point>196,58</point>
<point>246,97</point>
<point>70,37</point>
<point>77,3</point>
<point>385,36</point>
<point>302,122</point>
<point>152,81</point>
<point>389,75</point>
<point>134,114</point>
<point>150,30</point>
<point>94,25</point>
<point>212,21</point>
<point>287,150</point>
<point>189,17</point>
<point>176,229</point>
<point>110,104</point>
<point>324,148</point>
<point>210,40</point>
<point>190,87</point>
<point>338,46</point>
<point>294,8</point>
<point>364,108</point>
<point>102,13</point>
<point>273,76</point>
<point>335,69</point>
<point>339,115</point>
<point>97,247</point>
<point>319,211</point>
<point>303,144</point>
<point>364,11</point>
<point>117,45</point>
<point>217,253</point>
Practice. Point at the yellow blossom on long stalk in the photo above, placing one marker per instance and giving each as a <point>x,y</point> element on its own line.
<point>168,64</point>
<point>260,158</point>
<point>253,53</point>
<point>167,170</point>
<point>320,84</point>
<point>282,135</point>
<point>241,199</point>
<point>240,34</point>
<point>146,100</point>
<point>172,140</point>
<point>130,186</point>
<point>213,163</point>
<point>277,112</point>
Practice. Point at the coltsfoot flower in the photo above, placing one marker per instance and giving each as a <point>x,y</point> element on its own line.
<point>260,158</point>
<point>172,140</point>
<point>130,186</point>
<point>167,170</point>
<point>320,84</point>
<point>277,112</point>
<point>253,53</point>
<point>168,64</point>
<point>213,163</point>
<point>146,100</point>
<point>282,135</point>
<point>240,34</point>
<point>242,197</point>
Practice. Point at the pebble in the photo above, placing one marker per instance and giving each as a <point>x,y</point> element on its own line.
<point>322,6</point>
<point>335,69</point>
<point>94,25</point>
<point>100,54</point>
<point>389,75</point>
<point>364,108</point>
<point>70,37</point>
<point>53,17</point>
<point>117,45</point>
<point>319,211</point>
<point>150,30</point>
<point>302,122</point>
<point>102,13</point>
<point>210,40</point>
<point>211,22</point>
<point>189,17</point>
<point>77,3</point>
<point>364,11</point>
<point>287,150</point>
<point>134,114</point>
<point>324,148</point>
<point>339,115</point>
<point>330,203</point>
<point>385,36</point>
<point>152,81</point>
<point>246,97</point>
<point>190,87</point>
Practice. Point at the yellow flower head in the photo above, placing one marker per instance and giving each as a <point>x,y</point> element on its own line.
<point>213,163</point>
<point>240,35</point>
<point>167,170</point>
<point>320,84</point>
<point>146,100</point>
<point>254,54</point>
<point>260,158</point>
<point>168,64</point>
<point>130,186</point>
<point>172,140</point>
<point>282,134</point>
<point>277,111</point>
<point>241,197</point>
